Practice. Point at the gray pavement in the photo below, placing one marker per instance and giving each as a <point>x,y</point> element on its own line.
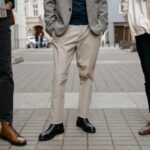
<point>119,81</point>
<point>116,130</point>
<point>118,108</point>
<point>116,71</point>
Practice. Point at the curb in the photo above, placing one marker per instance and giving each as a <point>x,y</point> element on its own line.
<point>17,60</point>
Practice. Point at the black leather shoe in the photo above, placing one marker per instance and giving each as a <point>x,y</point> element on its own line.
<point>51,132</point>
<point>85,125</point>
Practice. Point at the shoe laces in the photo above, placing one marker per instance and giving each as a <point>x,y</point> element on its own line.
<point>13,131</point>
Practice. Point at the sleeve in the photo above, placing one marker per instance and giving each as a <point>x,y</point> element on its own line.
<point>49,15</point>
<point>103,11</point>
<point>103,14</point>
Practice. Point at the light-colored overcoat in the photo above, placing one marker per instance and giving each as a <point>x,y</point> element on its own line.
<point>137,13</point>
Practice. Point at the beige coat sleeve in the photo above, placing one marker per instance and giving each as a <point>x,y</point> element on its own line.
<point>103,11</point>
<point>49,14</point>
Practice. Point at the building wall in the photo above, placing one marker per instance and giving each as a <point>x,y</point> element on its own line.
<point>29,9</point>
<point>114,16</point>
<point>19,29</point>
<point>31,19</point>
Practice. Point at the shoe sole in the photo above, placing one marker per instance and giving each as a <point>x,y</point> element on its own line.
<point>13,143</point>
<point>50,138</point>
<point>143,134</point>
<point>85,129</point>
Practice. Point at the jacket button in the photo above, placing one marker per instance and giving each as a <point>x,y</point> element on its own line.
<point>69,9</point>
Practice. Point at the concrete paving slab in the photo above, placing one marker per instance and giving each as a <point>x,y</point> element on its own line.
<point>99,100</point>
<point>74,138</point>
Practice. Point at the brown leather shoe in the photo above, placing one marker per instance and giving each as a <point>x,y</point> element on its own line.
<point>9,134</point>
<point>145,130</point>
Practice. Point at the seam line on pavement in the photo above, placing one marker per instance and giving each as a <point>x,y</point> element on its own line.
<point>110,134</point>
<point>130,128</point>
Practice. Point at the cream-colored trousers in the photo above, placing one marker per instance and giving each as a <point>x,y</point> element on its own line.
<point>81,41</point>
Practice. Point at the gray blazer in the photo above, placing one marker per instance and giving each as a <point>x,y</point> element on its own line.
<point>58,15</point>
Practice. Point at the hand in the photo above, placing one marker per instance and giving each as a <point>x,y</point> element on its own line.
<point>8,6</point>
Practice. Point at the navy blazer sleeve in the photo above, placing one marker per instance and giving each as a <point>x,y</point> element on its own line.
<point>12,1</point>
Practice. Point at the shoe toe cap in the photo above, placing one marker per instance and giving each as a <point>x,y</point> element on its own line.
<point>41,136</point>
<point>92,130</point>
<point>21,141</point>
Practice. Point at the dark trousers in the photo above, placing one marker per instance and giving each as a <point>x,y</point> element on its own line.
<point>6,77</point>
<point>143,47</point>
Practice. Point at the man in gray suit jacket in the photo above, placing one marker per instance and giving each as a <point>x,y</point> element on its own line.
<point>76,27</point>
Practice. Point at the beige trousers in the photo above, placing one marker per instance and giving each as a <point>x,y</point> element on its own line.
<point>81,41</point>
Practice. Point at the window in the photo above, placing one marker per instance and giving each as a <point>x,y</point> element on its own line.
<point>120,8</point>
<point>35,9</point>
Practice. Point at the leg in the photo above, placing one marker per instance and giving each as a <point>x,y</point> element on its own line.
<point>7,131</point>
<point>143,48</point>
<point>6,77</point>
<point>64,49</point>
<point>60,73</point>
<point>87,53</point>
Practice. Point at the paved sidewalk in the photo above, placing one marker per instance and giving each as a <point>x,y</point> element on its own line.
<point>119,106</point>
<point>99,100</point>
<point>118,83</point>
<point>116,130</point>
<point>116,71</point>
